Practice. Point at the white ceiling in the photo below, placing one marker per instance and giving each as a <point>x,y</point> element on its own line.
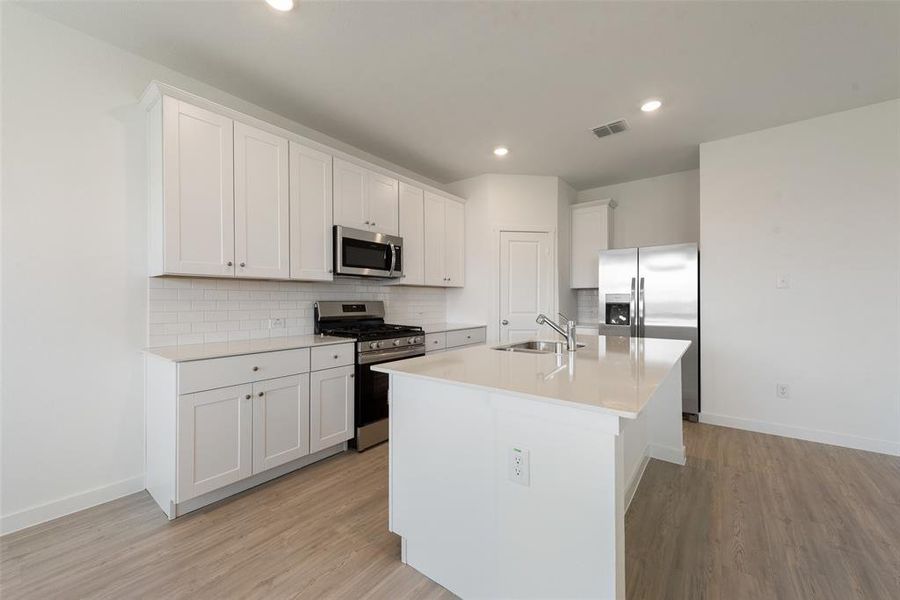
<point>435,86</point>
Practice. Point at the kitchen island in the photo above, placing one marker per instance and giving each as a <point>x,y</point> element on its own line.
<point>510,472</point>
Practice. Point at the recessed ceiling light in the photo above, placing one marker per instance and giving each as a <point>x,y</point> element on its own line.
<point>501,151</point>
<point>282,5</point>
<point>650,105</point>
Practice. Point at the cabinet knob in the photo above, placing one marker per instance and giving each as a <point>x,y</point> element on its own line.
<point>247,397</point>
<point>335,357</point>
<point>468,337</point>
<point>373,223</point>
<point>352,375</point>
<point>256,368</point>
<point>504,322</point>
<point>229,263</point>
<point>331,270</point>
<point>367,223</point>
<point>261,394</point>
<point>243,264</point>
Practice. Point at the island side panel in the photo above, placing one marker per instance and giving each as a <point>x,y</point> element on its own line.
<point>663,413</point>
<point>469,527</point>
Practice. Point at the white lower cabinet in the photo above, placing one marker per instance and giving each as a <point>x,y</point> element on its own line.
<point>219,426</point>
<point>331,398</point>
<point>280,421</point>
<point>214,439</point>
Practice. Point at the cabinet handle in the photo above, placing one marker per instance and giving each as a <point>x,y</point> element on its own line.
<point>330,270</point>
<point>247,397</point>
<point>367,223</point>
<point>229,263</point>
<point>256,368</point>
<point>373,223</point>
<point>261,394</point>
<point>352,375</point>
<point>243,264</point>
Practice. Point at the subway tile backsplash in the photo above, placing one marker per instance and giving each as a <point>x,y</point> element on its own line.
<point>197,310</point>
<point>588,306</point>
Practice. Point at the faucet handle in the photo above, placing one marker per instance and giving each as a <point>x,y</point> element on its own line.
<point>565,318</point>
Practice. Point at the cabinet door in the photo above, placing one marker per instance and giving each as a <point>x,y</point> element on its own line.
<point>280,421</point>
<point>261,244</point>
<point>330,407</point>
<point>455,243</point>
<point>214,431</point>
<point>435,273</point>
<point>350,206</point>
<point>383,203</point>
<point>198,191</point>
<point>412,230</point>
<point>590,235</point>
<point>311,214</point>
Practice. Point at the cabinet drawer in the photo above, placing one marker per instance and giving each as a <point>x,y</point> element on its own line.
<point>465,337</point>
<point>435,341</point>
<point>214,373</point>
<point>326,357</point>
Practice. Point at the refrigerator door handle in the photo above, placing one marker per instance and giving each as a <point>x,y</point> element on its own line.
<point>641,308</point>
<point>633,309</point>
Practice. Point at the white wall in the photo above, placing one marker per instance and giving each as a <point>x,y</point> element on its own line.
<point>74,304</point>
<point>654,211</point>
<point>566,196</point>
<point>496,202</point>
<point>818,202</point>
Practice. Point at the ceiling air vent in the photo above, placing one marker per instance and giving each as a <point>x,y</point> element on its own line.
<point>611,128</point>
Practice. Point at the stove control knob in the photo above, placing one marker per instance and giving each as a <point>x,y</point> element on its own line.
<point>396,342</point>
<point>418,339</point>
<point>411,340</point>
<point>373,345</point>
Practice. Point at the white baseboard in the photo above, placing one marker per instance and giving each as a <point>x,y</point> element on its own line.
<point>631,485</point>
<point>801,433</point>
<point>667,453</point>
<point>68,505</point>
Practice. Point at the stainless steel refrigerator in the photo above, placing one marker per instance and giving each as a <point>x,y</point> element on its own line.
<point>653,292</point>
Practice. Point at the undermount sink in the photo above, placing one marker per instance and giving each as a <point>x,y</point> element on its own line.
<point>536,347</point>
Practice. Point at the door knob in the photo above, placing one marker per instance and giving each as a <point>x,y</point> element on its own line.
<point>504,322</point>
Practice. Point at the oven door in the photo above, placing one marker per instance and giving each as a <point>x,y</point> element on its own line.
<point>367,254</point>
<point>371,410</point>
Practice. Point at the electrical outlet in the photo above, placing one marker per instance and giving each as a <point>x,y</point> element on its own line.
<point>276,323</point>
<point>782,390</point>
<point>782,282</point>
<point>519,466</point>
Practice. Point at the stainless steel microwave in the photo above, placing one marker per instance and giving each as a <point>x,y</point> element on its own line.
<point>362,253</point>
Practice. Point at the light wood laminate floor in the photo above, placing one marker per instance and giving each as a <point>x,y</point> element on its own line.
<point>749,516</point>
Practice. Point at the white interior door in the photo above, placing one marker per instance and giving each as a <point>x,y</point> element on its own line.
<point>261,202</point>
<point>526,283</point>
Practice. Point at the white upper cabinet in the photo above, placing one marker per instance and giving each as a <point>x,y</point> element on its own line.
<point>261,244</point>
<point>435,273</point>
<point>364,199</point>
<point>311,214</point>
<point>192,193</point>
<point>591,229</point>
<point>350,206</point>
<point>383,203</point>
<point>412,230</point>
<point>454,243</point>
<point>444,241</point>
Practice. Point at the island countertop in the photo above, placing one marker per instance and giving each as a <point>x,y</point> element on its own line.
<point>610,374</point>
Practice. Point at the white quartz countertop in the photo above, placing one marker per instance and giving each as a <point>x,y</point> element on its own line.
<point>441,327</point>
<point>610,374</point>
<point>236,348</point>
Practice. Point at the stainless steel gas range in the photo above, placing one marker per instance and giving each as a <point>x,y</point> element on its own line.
<point>376,342</point>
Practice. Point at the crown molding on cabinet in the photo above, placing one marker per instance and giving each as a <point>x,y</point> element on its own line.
<point>156,89</point>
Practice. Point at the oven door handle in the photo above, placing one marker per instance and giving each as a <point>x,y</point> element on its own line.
<point>393,259</point>
<point>385,356</point>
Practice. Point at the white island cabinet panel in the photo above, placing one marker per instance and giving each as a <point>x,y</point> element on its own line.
<point>197,192</point>
<point>214,433</point>
<point>311,191</point>
<point>280,421</point>
<point>261,227</point>
<point>412,230</point>
<point>331,397</point>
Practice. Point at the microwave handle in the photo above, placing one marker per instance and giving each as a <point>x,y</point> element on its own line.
<point>393,259</point>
